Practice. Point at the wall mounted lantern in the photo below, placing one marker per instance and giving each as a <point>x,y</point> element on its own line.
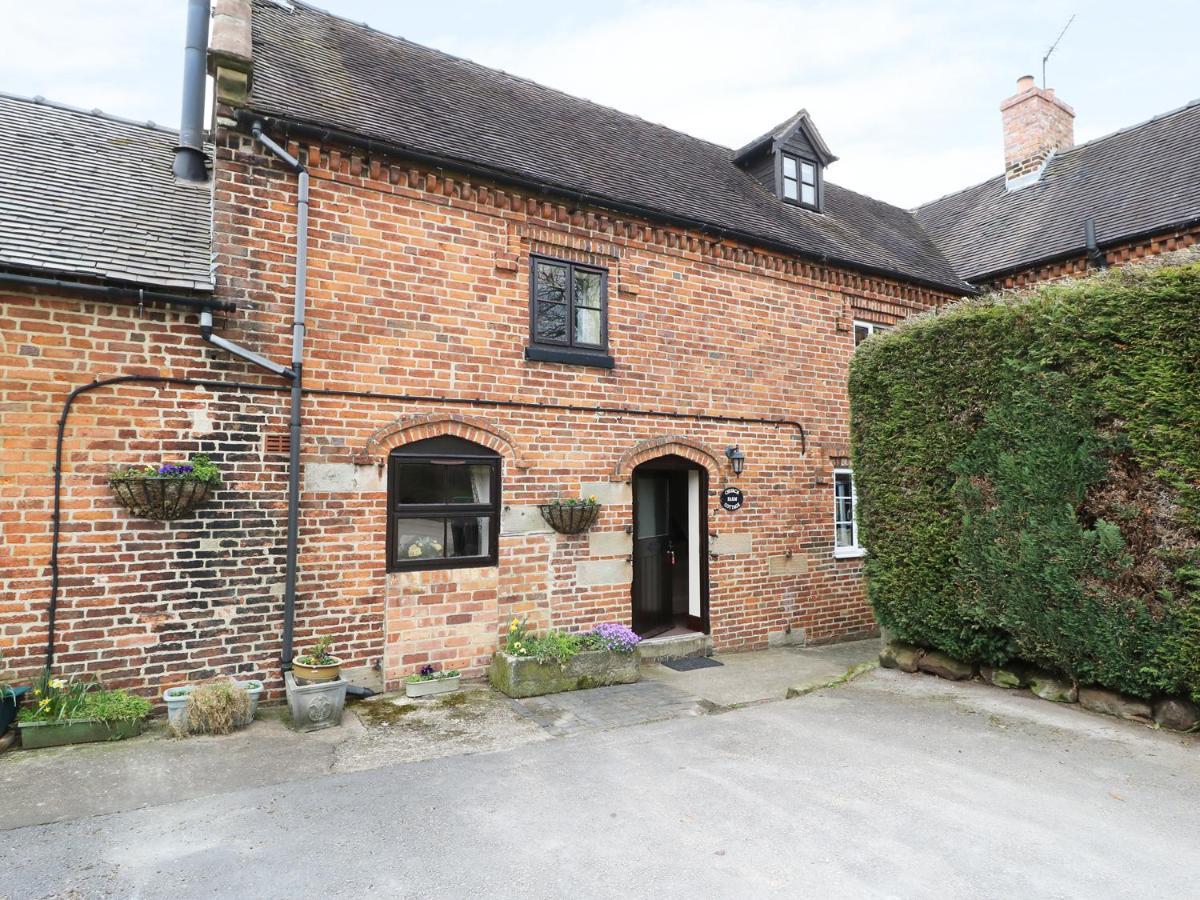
<point>737,459</point>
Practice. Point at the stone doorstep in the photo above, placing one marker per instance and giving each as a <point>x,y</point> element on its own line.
<point>676,646</point>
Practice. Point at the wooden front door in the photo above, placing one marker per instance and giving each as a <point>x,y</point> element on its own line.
<point>653,555</point>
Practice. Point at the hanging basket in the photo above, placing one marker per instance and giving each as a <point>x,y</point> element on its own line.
<point>156,497</point>
<point>570,519</point>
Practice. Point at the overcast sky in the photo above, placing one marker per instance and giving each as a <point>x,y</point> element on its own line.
<point>905,93</point>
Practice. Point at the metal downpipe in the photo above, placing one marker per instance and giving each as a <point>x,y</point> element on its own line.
<point>294,419</point>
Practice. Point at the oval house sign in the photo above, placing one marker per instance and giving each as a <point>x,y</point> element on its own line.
<point>732,498</point>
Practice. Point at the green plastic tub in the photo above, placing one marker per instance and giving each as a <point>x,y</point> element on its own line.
<point>35,735</point>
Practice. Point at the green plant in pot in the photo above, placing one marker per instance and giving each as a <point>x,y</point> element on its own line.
<point>318,664</point>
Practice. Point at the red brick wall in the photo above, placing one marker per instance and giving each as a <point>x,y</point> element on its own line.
<point>419,285</point>
<point>1117,255</point>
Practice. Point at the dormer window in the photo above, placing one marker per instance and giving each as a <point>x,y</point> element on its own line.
<point>789,161</point>
<point>799,180</point>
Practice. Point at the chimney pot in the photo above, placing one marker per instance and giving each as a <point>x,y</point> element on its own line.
<point>1024,83</point>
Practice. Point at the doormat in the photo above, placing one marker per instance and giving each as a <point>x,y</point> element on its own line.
<point>691,662</point>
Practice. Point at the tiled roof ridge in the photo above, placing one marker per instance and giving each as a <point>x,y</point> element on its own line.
<point>39,100</point>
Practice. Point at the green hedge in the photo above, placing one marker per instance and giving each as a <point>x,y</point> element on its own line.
<point>1028,473</point>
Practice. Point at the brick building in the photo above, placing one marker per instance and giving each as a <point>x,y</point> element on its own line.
<point>510,296</point>
<point>1060,209</point>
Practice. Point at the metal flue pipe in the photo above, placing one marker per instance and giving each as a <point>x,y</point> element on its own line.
<point>190,164</point>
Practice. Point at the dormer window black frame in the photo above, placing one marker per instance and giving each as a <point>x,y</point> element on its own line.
<point>568,312</point>
<point>799,180</point>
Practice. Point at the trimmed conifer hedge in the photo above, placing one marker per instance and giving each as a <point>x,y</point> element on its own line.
<point>1028,475</point>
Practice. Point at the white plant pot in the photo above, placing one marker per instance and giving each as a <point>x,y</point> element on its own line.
<point>176,700</point>
<point>432,686</point>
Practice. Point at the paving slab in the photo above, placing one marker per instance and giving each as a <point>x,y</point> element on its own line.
<point>618,706</point>
<point>759,676</point>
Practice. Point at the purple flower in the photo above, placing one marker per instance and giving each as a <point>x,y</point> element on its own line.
<point>615,636</point>
<point>428,670</point>
<point>169,469</point>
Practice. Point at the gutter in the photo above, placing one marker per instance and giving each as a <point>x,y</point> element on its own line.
<point>1084,250</point>
<point>246,120</point>
<point>119,294</point>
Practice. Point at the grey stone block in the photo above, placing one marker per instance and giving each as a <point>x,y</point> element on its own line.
<point>315,706</point>
<point>603,571</point>
<point>1048,687</point>
<point>796,564</point>
<point>522,676</point>
<point>523,520</point>
<point>898,655</point>
<point>793,638</point>
<point>610,543</point>
<point>732,544</point>
<point>944,666</point>
<point>1110,703</point>
<point>1177,714</point>
<point>611,492</point>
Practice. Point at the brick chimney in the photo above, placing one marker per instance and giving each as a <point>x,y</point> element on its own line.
<point>1036,123</point>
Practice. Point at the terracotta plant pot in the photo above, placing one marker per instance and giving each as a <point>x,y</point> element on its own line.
<point>315,674</point>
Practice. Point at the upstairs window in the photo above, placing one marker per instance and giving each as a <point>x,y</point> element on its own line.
<point>568,313</point>
<point>799,179</point>
<point>845,523</point>
<point>443,505</point>
<point>863,330</point>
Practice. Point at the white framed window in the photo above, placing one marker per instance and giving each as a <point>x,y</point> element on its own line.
<point>863,330</point>
<point>845,522</point>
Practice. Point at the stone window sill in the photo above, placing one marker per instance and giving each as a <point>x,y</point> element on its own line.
<point>570,356</point>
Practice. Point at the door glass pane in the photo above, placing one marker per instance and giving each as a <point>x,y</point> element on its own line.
<point>587,326</point>
<point>550,282</point>
<point>420,539</point>
<point>587,289</point>
<point>651,494</point>
<point>418,482</point>
<point>468,536</point>
<point>550,322</point>
<point>468,484</point>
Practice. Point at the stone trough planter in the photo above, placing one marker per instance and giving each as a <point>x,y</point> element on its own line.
<point>523,676</point>
<point>176,700</point>
<point>35,735</point>
<point>432,686</point>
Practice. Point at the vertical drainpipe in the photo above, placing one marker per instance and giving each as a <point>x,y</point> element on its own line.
<point>294,430</point>
<point>189,164</point>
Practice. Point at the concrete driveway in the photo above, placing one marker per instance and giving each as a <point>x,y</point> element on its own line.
<point>891,786</point>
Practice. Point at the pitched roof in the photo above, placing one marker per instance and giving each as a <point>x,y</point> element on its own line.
<point>1138,180</point>
<point>314,68</point>
<point>87,195</point>
<point>784,130</point>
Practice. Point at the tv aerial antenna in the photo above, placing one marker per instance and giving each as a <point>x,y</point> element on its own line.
<point>1054,47</point>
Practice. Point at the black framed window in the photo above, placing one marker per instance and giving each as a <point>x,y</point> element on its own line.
<point>443,505</point>
<point>568,312</point>
<point>799,178</point>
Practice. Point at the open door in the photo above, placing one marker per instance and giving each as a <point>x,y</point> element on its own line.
<point>670,547</point>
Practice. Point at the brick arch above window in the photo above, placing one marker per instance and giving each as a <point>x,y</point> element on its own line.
<point>407,429</point>
<point>665,446</point>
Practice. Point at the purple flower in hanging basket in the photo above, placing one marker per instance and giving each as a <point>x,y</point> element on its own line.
<point>614,636</point>
<point>170,469</point>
